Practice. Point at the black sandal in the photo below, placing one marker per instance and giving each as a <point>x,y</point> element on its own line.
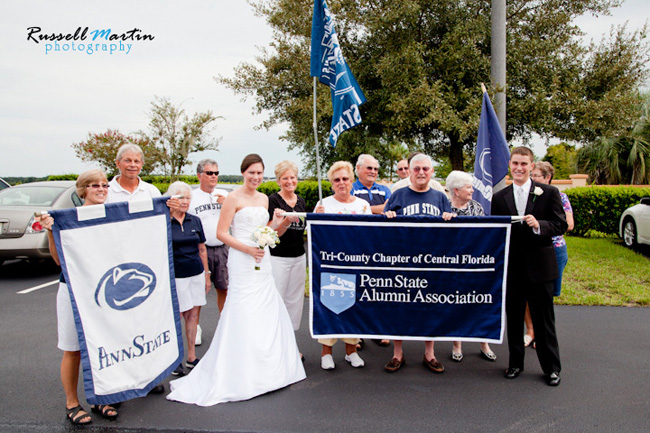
<point>75,417</point>
<point>103,410</point>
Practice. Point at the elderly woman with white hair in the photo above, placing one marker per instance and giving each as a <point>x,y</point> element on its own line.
<point>190,264</point>
<point>460,189</point>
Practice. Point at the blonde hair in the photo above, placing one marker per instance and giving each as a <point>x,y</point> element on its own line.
<point>338,165</point>
<point>284,166</point>
<point>88,177</point>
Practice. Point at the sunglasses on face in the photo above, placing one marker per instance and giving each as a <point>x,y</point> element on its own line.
<point>372,168</point>
<point>211,173</point>
<point>402,168</point>
<point>424,169</point>
<point>340,179</point>
<point>98,185</point>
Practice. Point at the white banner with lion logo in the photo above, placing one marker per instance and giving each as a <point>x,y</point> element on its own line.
<point>118,264</point>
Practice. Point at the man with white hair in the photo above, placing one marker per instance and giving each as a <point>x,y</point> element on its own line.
<point>404,182</point>
<point>365,187</point>
<point>127,185</point>
<point>418,199</point>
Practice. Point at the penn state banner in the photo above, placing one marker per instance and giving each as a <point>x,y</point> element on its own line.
<point>118,264</point>
<point>408,278</point>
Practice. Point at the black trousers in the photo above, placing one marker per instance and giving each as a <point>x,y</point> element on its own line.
<point>540,302</point>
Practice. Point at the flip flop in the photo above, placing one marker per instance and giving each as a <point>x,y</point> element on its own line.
<point>75,417</point>
<point>527,340</point>
<point>103,410</point>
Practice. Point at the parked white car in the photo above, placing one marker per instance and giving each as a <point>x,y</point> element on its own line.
<point>634,226</point>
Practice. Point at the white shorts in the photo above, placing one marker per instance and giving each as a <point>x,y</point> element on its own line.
<point>68,338</point>
<point>190,292</point>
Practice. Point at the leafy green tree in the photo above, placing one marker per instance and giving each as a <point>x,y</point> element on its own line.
<point>176,135</point>
<point>564,159</point>
<point>102,149</point>
<point>420,64</point>
<point>621,159</point>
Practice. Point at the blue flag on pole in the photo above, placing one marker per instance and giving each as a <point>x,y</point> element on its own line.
<point>328,64</point>
<point>492,155</point>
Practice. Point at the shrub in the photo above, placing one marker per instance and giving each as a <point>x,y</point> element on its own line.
<point>307,189</point>
<point>599,208</point>
<point>63,177</point>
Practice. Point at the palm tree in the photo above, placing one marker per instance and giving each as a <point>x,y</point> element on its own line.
<point>622,159</point>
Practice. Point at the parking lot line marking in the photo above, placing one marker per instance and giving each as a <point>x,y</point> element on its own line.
<point>22,292</point>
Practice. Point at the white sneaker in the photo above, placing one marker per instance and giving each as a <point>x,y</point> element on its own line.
<point>197,341</point>
<point>327,362</point>
<point>355,360</point>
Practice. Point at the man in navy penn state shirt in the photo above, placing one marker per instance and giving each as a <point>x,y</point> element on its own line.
<point>418,199</point>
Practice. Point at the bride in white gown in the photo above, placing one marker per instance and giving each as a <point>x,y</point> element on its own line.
<point>254,349</point>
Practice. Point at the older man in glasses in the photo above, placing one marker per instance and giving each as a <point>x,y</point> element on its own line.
<point>406,181</point>
<point>206,204</point>
<point>365,188</point>
<point>403,169</point>
<point>418,199</point>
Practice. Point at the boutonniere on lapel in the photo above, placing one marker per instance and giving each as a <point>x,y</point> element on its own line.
<point>537,192</point>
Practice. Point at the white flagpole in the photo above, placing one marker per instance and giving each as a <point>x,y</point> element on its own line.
<point>320,188</point>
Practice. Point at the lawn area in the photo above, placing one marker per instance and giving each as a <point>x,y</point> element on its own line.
<point>604,272</point>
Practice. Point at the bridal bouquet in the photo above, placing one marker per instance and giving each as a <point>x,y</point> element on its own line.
<point>265,236</point>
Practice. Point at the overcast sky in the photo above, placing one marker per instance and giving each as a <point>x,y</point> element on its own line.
<point>50,100</point>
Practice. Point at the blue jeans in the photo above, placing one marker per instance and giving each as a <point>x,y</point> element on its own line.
<point>562,258</point>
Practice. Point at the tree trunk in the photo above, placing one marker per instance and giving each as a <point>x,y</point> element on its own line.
<point>456,153</point>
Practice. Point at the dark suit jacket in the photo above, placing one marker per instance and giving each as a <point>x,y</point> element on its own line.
<point>532,257</point>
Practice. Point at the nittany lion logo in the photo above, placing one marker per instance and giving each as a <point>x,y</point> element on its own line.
<point>126,286</point>
<point>338,291</point>
<point>485,161</point>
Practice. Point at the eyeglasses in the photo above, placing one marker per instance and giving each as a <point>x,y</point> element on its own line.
<point>372,168</point>
<point>211,173</point>
<point>98,185</point>
<point>402,168</point>
<point>340,179</point>
<point>424,169</point>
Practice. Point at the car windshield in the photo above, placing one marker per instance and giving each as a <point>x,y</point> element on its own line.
<point>30,195</point>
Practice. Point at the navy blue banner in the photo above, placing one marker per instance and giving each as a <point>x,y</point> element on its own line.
<point>408,278</point>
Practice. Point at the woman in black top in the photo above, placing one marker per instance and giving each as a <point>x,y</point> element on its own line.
<point>288,257</point>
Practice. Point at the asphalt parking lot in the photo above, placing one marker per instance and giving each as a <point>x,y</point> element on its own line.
<point>605,377</point>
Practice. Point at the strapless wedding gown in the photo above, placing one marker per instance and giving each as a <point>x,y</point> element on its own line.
<point>254,349</point>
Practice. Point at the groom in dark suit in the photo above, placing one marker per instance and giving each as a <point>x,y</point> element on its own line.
<point>532,267</point>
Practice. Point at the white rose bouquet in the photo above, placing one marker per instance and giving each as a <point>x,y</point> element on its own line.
<point>265,236</point>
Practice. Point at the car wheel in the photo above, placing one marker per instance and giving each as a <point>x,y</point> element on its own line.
<point>629,233</point>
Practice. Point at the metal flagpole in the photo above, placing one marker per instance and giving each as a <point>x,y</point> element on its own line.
<point>320,187</point>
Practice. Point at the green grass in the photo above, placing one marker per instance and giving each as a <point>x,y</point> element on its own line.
<point>604,272</point>
<point>600,272</point>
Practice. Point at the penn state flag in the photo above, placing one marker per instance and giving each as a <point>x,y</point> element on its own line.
<point>492,156</point>
<point>328,64</point>
<point>117,262</point>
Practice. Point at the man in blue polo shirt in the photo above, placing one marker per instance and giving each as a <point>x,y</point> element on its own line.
<point>366,188</point>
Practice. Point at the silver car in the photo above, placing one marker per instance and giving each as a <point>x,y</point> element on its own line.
<point>20,238</point>
<point>634,226</point>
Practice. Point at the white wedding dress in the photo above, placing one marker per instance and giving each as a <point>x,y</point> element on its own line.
<point>254,349</point>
